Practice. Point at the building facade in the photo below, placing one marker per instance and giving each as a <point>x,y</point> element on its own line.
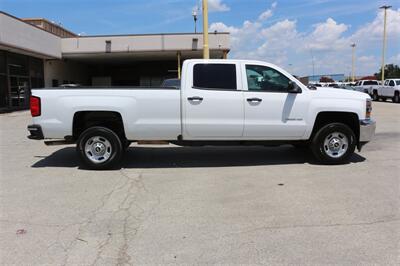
<point>36,52</point>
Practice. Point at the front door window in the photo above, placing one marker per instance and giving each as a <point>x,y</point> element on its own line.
<point>262,78</point>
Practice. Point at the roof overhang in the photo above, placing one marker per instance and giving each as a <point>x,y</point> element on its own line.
<point>147,47</point>
<point>21,37</point>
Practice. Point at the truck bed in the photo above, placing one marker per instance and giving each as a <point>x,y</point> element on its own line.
<point>148,113</point>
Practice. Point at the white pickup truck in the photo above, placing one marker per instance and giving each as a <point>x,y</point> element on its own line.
<point>367,86</point>
<point>219,102</point>
<point>389,90</point>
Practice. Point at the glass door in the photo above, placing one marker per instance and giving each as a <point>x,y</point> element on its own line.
<point>19,91</point>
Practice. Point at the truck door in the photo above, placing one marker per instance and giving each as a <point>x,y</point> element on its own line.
<point>386,89</point>
<point>212,101</point>
<point>270,111</point>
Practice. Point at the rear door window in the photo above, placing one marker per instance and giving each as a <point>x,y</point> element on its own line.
<point>215,76</point>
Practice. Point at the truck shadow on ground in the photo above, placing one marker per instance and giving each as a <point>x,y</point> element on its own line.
<point>184,157</point>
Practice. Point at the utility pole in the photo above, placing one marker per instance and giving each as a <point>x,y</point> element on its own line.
<point>313,65</point>
<point>385,8</point>
<point>353,46</point>
<point>206,49</point>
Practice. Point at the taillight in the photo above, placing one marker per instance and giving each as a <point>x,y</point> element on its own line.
<point>368,110</point>
<point>35,106</point>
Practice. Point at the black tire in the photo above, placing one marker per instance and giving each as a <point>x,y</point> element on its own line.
<point>113,149</point>
<point>396,97</point>
<point>322,152</point>
<point>301,145</point>
<point>375,96</point>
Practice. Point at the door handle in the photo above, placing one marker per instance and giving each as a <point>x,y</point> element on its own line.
<point>195,98</point>
<point>251,100</point>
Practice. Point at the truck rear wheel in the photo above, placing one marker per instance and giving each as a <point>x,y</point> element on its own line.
<point>99,148</point>
<point>333,144</point>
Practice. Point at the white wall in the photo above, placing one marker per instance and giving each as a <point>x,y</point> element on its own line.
<point>65,70</point>
<point>18,34</point>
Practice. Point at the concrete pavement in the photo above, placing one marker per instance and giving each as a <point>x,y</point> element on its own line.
<point>247,205</point>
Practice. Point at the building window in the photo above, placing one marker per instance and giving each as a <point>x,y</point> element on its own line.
<point>17,64</point>
<point>215,76</point>
<point>3,91</point>
<point>2,62</point>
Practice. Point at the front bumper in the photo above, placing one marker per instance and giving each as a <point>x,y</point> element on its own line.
<point>367,130</point>
<point>35,132</point>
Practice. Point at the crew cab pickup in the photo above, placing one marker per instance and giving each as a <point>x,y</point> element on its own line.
<point>389,90</point>
<point>219,102</point>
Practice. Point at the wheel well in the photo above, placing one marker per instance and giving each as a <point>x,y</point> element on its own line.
<point>85,119</point>
<point>347,118</point>
<point>396,92</point>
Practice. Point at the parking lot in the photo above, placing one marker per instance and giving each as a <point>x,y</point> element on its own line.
<point>167,204</point>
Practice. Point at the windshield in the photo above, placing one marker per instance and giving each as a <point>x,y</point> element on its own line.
<point>398,82</point>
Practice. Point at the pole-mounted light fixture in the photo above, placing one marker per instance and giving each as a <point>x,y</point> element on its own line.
<point>194,14</point>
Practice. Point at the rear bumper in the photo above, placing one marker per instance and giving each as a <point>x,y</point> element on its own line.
<point>35,132</point>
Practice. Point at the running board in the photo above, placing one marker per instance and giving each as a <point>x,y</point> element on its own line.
<point>58,142</point>
<point>152,142</point>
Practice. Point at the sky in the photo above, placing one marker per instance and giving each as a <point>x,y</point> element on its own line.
<point>305,37</point>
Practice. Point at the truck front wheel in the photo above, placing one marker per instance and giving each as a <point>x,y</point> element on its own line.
<point>396,97</point>
<point>333,144</point>
<point>99,148</point>
<point>375,96</point>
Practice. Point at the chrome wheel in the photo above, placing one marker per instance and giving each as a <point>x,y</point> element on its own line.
<point>98,149</point>
<point>336,144</point>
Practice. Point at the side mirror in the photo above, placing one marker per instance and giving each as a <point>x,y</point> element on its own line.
<point>293,87</point>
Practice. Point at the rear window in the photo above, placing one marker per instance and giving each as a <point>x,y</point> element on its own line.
<point>215,76</point>
<point>370,82</point>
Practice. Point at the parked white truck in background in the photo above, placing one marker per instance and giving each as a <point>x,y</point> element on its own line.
<point>366,86</point>
<point>220,102</point>
<point>389,90</point>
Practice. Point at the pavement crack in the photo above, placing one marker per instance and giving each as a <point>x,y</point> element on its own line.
<point>311,226</point>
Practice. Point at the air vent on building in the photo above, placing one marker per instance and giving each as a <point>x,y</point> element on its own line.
<point>195,43</point>
<point>108,46</point>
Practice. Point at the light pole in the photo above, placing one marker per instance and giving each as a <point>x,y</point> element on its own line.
<point>353,46</point>
<point>206,49</point>
<point>385,8</point>
<point>194,14</point>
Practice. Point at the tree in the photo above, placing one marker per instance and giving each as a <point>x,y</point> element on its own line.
<point>326,79</point>
<point>391,71</point>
